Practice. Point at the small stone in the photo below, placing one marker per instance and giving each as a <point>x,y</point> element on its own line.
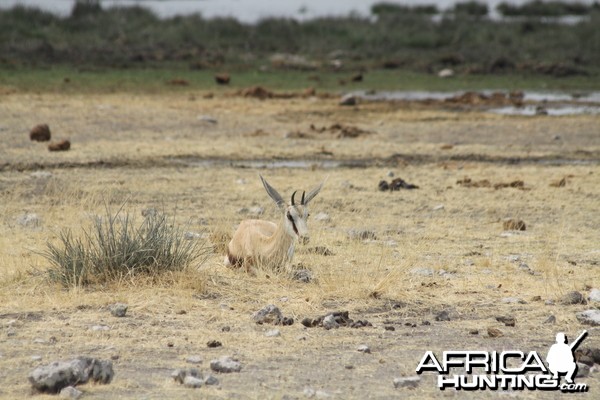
<point>582,370</point>
<point>389,328</point>
<point>225,329</point>
<point>41,174</point>
<point>550,320</point>
<point>594,296</point>
<point>29,220</point>
<point>194,359</point>
<point>422,271</point>
<point>329,322</point>
<point>474,332</point>
<point>549,302</point>
<point>273,333</point>
<point>208,119</point>
<point>225,364</point>
<point>348,100</point>
<point>70,392</point>
<point>363,348</point>
<point>216,343</point>
<point>409,382</point>
<point>269,314</point>
<point>302,275</point>
<point>211,380</point>
<point>506,320</point>
<point>100,328</point>
<point>390,174</point>
<point>494,332</point>
<point>573,297</point>
<point>514,225</point>
<point>119,310</point>
<point>513,300</point>
<point>362,234</point>
<point>192,382</point>
<point>40,133</point>
<point>443,315</point>
<point>36,358</point>
<point>589,317</point>
<point>62,145</point>
<point>322,217</point>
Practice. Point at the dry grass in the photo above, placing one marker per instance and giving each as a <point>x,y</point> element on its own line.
<point>463,238</point>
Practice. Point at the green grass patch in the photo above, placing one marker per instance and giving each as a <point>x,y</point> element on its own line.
<point>156,80</point>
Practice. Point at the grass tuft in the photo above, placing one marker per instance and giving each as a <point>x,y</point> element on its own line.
<point>115,249</point>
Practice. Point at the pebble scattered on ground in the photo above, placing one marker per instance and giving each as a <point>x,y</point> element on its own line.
<point>271,314</point>
<point>573,297</point>
<point>589,317</point>
<point>225,364</point>
<point>408,382</point>
<point>119,309</point>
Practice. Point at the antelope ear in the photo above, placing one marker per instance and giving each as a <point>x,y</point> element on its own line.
<point>273,193</point>
<point>314,192</point>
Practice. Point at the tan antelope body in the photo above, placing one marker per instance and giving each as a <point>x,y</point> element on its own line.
<point>264,243</point>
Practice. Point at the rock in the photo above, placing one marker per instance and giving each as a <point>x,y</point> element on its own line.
<point>225,364</point>
<point>194,359</point>
<point>54,377</point>
<point>29,220</point>
<point>348,100</point>
<point>70,392</point>
<point>506,320</point>
<point>269,314</point>
<point>40,133</point>
<point>41,175</point>
<point>513,300</point>
<point>549,302</point>
<point>322,217</point>
<point>62,145</point>
<point>211,380</point>
<point>589,317</point>
<point>273,333</point>
<point>222,79</point>
<point>363,348</point>
<point>99,328</point>
<point>179,375</point>
<point>446,73</point>
<point>119,309</point>
<point>514,225</point>
<point>208,119</point>
<point>422,271</point>
<point>383,186</point>
<point>550,320</point>
<point>594,296</point>
<point>443,315</point>
<point>583,370</point>
<point>192,382</point>
<point>215,343</point>
<point>400,183</point>
<point>303,275</point>
<point>409,382</point>
<point>494,332</point>
<point>329,322</point>
<point>573,297</point>
<point>362,234</point>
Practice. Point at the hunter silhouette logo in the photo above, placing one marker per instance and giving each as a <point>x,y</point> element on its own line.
<point>560,357</point>
<point>507,370</point>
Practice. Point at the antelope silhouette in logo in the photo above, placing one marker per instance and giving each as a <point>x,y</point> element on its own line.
<point>265,243</point>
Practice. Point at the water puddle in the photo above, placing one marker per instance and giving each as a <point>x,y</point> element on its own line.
<point>547,110</point>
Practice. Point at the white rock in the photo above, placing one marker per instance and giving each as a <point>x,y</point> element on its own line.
<point>422,271</point>
<point>446,73</point>
<point>70,392</point>
<point>29,220</point>
<point>589,317</point>
<point>225,364</point>
<point>98,328</point>
<point>594,295</point>
<point>409,382</point>
<point>329,322</point>
<point>192,382</point>
<point>194,359</point>
<point>363,348</point>
<point>41,174</point>
<point>211,380</point>
<point>273,333</point>
<point>208,119</point>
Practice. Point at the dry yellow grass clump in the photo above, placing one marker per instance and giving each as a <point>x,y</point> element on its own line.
<point>439,247</point>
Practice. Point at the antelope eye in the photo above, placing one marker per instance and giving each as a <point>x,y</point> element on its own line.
<point>289,216</point>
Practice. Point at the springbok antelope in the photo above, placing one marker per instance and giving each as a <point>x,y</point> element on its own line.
<point>264,243</point>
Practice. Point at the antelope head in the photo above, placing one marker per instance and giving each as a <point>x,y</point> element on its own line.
<point>296,213</point>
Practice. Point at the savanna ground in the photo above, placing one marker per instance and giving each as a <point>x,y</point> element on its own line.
<point>154,150</point>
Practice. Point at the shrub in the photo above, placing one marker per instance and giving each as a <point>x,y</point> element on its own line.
<point>115,248</point>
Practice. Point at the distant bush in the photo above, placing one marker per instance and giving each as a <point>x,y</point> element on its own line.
<point>383,8</point>
<point>115,249</point>
<point>545,8</point>
<point>472,8</point>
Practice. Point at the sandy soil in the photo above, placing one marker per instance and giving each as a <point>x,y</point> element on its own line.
<point>162,151</point>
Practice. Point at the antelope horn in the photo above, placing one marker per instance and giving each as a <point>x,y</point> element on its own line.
<point>302,201</point>
<point>293,194</point>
